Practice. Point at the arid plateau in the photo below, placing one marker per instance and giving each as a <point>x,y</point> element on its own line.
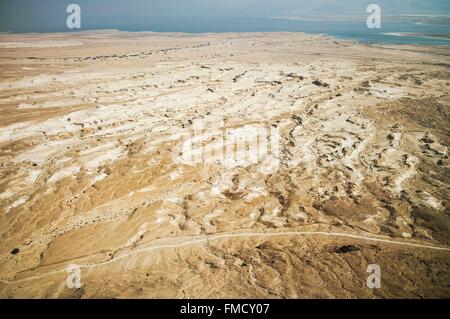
<point>92,127</point>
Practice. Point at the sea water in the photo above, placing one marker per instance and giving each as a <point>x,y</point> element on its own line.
<point>390,32</point>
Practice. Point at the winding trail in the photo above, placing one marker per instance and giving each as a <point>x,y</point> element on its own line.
<point>208,238</point>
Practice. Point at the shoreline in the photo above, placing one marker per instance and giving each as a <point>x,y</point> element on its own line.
<point>116,32</point>
<point>357,39</point>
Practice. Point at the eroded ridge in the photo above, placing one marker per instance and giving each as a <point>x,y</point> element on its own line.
<point>92,127</point>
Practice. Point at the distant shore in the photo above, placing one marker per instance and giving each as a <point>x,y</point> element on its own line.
<point>344,27</point>
<point>66,39</point>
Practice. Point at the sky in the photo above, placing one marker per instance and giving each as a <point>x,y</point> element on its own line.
<point>29,14</point>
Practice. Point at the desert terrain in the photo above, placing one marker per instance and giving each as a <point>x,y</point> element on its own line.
<point>92,126</point>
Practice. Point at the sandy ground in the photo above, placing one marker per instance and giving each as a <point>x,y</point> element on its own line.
<point>91,124</point>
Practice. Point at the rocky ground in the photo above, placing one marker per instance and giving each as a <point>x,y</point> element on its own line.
<point>91,129</point>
